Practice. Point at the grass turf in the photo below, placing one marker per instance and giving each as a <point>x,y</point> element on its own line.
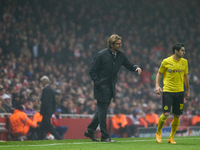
<point>183,143</point>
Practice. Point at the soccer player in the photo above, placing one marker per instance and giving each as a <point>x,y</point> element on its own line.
<point>175,69</point>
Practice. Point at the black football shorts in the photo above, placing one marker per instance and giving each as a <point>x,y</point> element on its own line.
<point>174,101</point>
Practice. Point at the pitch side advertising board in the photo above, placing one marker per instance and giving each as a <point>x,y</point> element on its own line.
<point>150,131</point>
<point>182,131</point>
<point>194,130</point>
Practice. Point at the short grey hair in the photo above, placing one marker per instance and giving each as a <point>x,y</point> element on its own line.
<point>45,79</point>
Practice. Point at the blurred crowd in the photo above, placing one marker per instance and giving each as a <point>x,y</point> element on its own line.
<point>60,38</point>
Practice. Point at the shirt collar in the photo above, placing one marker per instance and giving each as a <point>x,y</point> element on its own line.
<point>112,52</point>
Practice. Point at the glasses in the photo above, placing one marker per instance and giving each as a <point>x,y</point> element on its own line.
<point>118,43</point>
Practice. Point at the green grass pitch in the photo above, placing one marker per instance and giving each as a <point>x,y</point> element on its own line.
<point>183,143</point>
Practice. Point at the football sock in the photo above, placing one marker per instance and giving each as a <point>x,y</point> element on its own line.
<point>174,126</point>
<point>161,123</point>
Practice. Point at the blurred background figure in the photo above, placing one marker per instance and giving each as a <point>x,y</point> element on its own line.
<point>16,100</point>
<point>21,124</point>
<point>111,108</point>
<point>196,119</point>
<point>29,107</point>
<point>137,121</point>
<point>92,109</point>
<point>56,122</point>
<point>2,110</point>
<point>64,107</point>
<point>7,103</point>
<point>151,118</point>
<point>37,118</point>
<point>120,124</point>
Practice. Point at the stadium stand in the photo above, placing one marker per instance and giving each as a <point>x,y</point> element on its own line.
<point>60,38</point>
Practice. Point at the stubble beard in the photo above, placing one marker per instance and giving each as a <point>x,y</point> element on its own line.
<point>117,49</point>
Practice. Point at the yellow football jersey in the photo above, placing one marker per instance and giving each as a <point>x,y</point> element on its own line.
<point>173,80</point>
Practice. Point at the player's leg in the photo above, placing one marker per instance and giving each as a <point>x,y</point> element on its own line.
<point>166,107</point>
<point>174,127</point>
<point>177,110</point>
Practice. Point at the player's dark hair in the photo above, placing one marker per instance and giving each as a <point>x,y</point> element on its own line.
<point>177,46</point>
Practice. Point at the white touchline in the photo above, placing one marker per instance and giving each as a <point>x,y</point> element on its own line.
<point>87,143</point>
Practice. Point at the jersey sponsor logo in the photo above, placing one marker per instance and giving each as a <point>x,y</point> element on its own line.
<point>166,108</point>
<point>175,70</point>
<point>169,70</point>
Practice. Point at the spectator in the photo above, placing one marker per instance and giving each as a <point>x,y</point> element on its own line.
<point>146,75</point>
<point>37,118</point>
<point>16,100</point>
<point>64,107</point>
<point>7,104</point>
<point>25,51</point>
<point>29,107</point>
<point>56,122</point>
<point>120,124</point>
<point>151,118</point>
<point>111,108</point>
<point>92,109</point>
<point>125,109</point>
<point>82,109</point>
<point>196,119</point>
<point>37,51</point>
<point>20,123</point>
<point>72,108</point>
<point>2,110</point>
<point>137,121</point>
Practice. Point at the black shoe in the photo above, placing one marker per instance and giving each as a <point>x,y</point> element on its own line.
<point>91,136</point>
<point>107,140</point>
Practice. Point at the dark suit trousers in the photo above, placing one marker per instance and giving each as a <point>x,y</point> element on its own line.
<point>46,127</point>
<point>100,118</point>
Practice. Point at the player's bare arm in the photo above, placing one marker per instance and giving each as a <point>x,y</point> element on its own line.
<point>158,88</point>
<point>186,81</point>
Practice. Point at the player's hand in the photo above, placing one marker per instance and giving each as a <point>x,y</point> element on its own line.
<point>187,95</point>
<point>158,90</point>
<point>139,70</point>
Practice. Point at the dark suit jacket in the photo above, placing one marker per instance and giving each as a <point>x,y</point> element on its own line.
<point>48,104</point>
<point>104,71</point>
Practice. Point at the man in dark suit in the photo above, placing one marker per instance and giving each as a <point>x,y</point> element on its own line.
<point>103,72</point>
<point>47,109</point>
